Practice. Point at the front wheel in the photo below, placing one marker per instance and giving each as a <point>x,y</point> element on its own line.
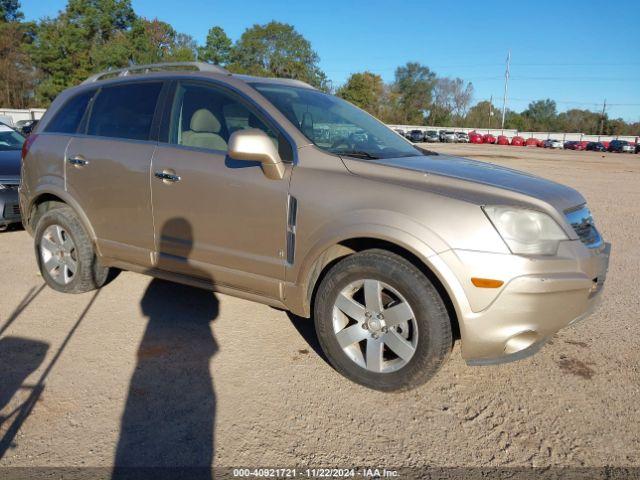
<point>381,322</point>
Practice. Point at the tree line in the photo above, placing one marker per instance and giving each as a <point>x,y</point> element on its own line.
<point>40,59</point>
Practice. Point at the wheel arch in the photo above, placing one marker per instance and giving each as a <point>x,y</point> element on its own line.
<point>37,208</point>
<point>348,246</point>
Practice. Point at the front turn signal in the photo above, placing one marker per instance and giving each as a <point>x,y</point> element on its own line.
<point>486,282</point>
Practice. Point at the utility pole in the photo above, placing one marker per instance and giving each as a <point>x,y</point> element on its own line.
<point>490,110</point>
<point>604,108</point>
<point>506,88</point>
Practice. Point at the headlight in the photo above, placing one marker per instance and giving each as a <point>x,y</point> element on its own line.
<point>526,232</point>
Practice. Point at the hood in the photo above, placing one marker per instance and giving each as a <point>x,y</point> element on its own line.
<point>471,180</point>
<point>10,163</point>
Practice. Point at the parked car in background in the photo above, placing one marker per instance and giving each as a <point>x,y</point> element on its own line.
<point>517,141</point>
<point>574,145</point>
<point>605,143</point>
<point>621,146</point>
<point>475,138</point>
<point>596,147</point>
<point>532,142</point>
<point>10,146</point>
<point>431,136</point>
<point>416,136</point>
<point>552,143</point>
<point>162,173</point>
<point>400,132</point>
<point>488,138</point>
<point>638,147</point>
<point>462,137</point>
<point>502,140</point>
<point>449,137</point>
<point>25,127</point>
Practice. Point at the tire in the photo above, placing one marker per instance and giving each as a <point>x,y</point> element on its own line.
<point>346,339</point>
<point>59,230</point>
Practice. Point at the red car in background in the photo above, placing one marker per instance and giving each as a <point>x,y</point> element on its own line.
<point>583,145</point>
<point>606,144</point>
<point>517,142</point>
<point>502,140</point>
<point>475,137</point>
<point>573,145</point>
<point>532,142</point>
<point>488,138</point>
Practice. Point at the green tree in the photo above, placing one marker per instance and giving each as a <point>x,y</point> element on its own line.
<point>10,11</point>
<point>414,84</point>
<point>483,115</point>
<point>365,90</point>
<point>99,20</point>
<point>154,41</point>
<point>451,99</point>
<point>16,71</point>
<point>277,49</point>
<point>217,49</point>
<point>516,121</point>
<point>69,47</point>
<point>541,115</point>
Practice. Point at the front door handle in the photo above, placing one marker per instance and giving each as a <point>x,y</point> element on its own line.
<point>167,176</point>
<point>78,161</point>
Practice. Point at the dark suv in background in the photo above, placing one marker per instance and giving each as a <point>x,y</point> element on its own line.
<point>10,145</point>
<point>620,146</point>
<point>416,136</point>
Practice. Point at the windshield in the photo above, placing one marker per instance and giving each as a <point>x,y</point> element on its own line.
<point>10,139</point>
<point>335,125</point>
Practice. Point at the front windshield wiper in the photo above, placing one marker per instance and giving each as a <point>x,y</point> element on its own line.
<point>359,154</point>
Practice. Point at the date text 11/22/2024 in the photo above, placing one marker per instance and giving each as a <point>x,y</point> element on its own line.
<point>314,473</point>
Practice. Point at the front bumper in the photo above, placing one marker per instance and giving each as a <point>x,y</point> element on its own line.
<point>540,296</point>
<point>9,207</point>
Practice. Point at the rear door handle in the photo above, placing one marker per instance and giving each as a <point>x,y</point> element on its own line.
<point>167,176</point>
<point>78,161</point>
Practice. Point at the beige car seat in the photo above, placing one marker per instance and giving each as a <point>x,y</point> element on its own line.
<point>204,132</point>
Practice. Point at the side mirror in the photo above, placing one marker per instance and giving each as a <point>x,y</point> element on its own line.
<point>254,145</point>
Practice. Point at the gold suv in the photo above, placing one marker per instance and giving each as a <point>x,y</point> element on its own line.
<point>273,191</point>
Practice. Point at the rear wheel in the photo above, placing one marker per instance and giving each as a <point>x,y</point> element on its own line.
<point>65,253</point>
<point>381,322</point>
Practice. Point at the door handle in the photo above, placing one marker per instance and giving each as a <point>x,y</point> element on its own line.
<point>78,161</point>
<point>167,176</point>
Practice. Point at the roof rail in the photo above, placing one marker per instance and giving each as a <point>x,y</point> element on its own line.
<point>142,69</point>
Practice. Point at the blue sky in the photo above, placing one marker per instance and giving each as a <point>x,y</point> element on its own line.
<point>575,52</point>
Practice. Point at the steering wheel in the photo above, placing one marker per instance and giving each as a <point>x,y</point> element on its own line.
<point>343,141</point>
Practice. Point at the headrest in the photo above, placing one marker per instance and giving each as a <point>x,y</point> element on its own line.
<point>205,122</point>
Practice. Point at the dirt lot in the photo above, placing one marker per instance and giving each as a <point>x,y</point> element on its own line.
<point>139,373</point>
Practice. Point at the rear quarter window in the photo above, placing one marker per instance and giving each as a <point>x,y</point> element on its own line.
<point>124,111</point>
<point>69,116</point>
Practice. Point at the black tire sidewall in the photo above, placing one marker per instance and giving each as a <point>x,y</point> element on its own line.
<point>434,326</point>
<point>90,274</point>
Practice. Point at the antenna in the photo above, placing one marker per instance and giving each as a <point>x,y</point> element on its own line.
<point>506,88</point>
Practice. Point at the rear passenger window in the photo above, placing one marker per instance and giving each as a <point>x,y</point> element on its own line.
<point>124,111</point>
<point>70,115</point>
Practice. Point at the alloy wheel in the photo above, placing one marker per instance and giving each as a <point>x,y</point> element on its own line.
<point>375,326</point>
<point>58,254</point>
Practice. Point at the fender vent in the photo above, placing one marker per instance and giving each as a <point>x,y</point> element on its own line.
<point>292,218</point>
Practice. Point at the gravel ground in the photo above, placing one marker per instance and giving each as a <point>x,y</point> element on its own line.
<point>147,372</point>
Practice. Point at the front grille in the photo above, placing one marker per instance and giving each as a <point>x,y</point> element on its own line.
<point>11,210</point>
<point>581,220</point>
